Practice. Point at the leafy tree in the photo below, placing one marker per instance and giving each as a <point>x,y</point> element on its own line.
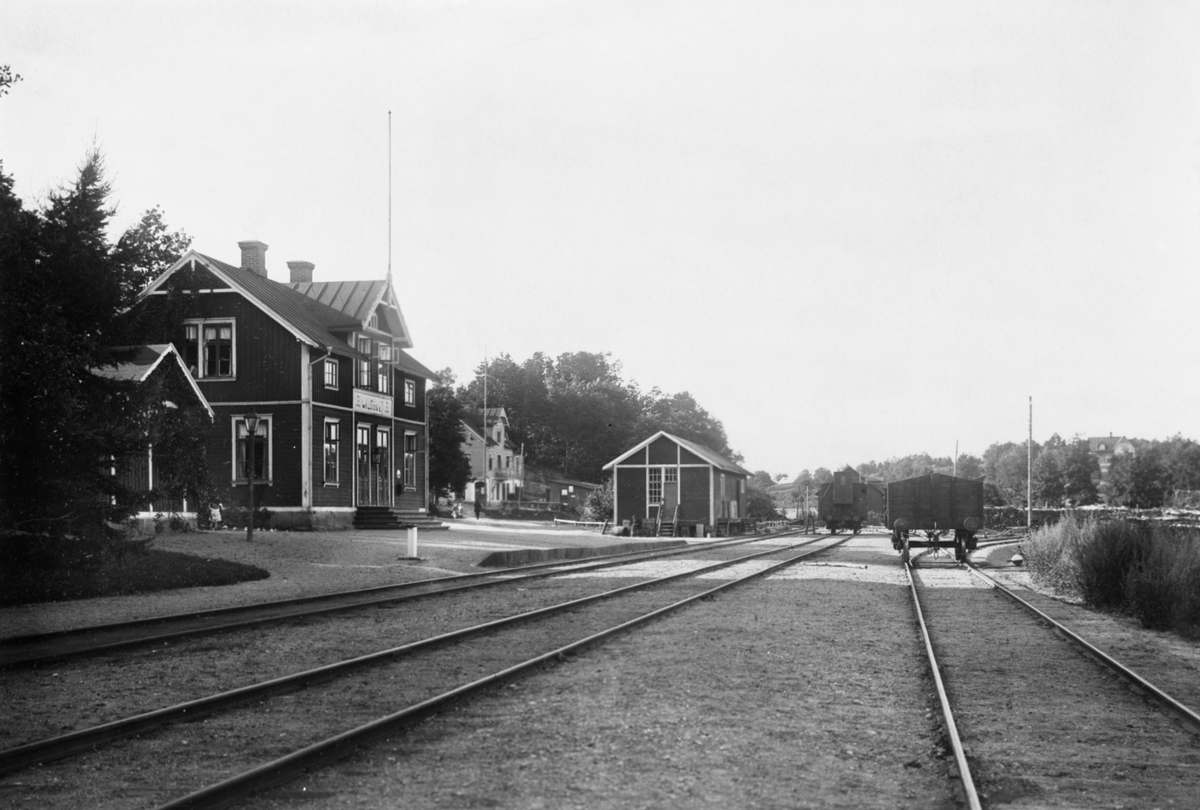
<point>970,466</point>
<point>7,79</point>
<point>1139,480</point>
<point>449,466</point>
<point>1048,488</point>
<point>146,250</point>
<point>61,309</point>
<point>1080,471</point>
<point>821,476</point>
<point>759,503</point>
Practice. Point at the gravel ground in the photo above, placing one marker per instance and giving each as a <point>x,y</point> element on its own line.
<point>805,690</point>
<point>799,691</point>
<point>301,564</point>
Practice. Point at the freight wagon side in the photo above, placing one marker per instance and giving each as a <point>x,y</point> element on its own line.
<point>937,505</point>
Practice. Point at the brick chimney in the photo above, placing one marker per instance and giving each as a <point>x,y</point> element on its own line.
<point>301,272</point>
<point>254,257</point>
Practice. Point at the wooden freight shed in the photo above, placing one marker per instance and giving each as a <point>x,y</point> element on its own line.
<point>678,487</point>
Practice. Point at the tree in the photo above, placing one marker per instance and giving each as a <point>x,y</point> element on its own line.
<point>61,311</point>
<point>146,250</point>
<point>449,466</point>
<point>7,79</point>
<point>1047,479</point>
<point>1080,471</point>
<point>1138,481</point>
<point>759,503</point>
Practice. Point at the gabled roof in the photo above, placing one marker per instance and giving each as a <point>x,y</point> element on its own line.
<point>309,320</point>
<point>474,422</point>
<point>408,364</point>
<point>715,459</point>
<point>357,301</point>
<point>143,363</point>
<point>1110,443</point>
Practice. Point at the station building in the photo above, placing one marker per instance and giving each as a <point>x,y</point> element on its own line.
<point>342,420</point>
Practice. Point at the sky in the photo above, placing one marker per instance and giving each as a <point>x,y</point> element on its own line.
<point>851,230</point>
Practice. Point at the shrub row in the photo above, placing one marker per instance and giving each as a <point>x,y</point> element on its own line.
<point>1148,571</point>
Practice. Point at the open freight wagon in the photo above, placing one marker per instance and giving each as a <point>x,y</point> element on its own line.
<point>946,509</point>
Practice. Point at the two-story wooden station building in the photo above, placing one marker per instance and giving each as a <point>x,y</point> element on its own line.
<point>342,420</point>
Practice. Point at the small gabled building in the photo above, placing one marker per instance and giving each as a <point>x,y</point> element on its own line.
<point>678,483</point>
<point>157,365</point>
<point>497,464</point>
<point>324,365</point>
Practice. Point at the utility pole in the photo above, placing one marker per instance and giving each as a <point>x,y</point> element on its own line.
<point>1029,475</point>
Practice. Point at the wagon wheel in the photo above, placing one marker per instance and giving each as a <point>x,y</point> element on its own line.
<point>960,550</point>
<point>904,555</point>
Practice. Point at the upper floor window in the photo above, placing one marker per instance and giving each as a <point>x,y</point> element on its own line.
<point>373,321</point>
<point>208,348</point>
<point>364,366</point>
<point>410,392</point>
<point>331,373</point>
<point>385,369</point>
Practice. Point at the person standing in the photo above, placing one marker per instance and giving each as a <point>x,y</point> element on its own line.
<point>478,509</point>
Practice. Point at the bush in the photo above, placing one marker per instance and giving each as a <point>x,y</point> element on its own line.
<point>1050,554</point>
<point>1163,591</point>
<point>234,517</point>
<point>1106,555</point>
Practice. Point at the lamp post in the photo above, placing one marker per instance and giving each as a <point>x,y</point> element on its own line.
<point>251,432</point>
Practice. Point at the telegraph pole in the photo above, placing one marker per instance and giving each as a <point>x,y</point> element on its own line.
<point>1029,475</point>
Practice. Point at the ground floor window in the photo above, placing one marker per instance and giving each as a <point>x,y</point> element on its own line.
<point>252,450</point>
<point>332,443</point>
<point>410,461</point>
<point>654,491</point>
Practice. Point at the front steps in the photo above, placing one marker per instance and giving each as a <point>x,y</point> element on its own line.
<point>392,518</point>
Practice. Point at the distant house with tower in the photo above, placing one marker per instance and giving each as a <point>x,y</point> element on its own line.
<point>341,429</point>
<point>1106,448</point>
<point>497,463</point>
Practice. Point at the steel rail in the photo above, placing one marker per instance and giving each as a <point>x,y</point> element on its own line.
<point>1187,717</point>
<point>229,791</point>
<point>75,742</point>
<point>11,660</point>
<point>960,756</point>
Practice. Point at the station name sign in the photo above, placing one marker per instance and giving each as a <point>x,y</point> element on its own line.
<point>366,402</point>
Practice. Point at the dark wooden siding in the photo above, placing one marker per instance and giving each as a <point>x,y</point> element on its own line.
<point>342,395</point>
<point>343,493</point>
<point>688,457</point>
<point>631,493</point>
<point>285,486</point>
<point>663,451</point>
<point>266,355</point>
<point>693,492</point>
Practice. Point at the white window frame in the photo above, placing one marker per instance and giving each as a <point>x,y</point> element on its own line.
<point>409,460</point>
<point>410,392</point>
<point>337,458</point>
<point>200,323</point>
<point>265,427</point>
<point>331,363</point>
<point>384,369</point>
<point>363,372</point>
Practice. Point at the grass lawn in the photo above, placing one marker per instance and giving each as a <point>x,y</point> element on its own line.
<point>141,572</point>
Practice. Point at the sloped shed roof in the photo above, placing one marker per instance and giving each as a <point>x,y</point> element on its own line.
<point>712,457</point>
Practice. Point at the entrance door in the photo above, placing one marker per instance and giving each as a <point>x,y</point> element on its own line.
<point>670,492</point>
<point>382,454</point>
<point>362,442</point>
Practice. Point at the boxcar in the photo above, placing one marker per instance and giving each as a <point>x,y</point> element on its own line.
<point>846,502</point>
<point>937,505</point>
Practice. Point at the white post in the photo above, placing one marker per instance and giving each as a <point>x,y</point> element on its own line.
<point>412,541</point>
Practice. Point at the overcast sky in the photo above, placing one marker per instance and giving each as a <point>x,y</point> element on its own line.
<point>851,230</point>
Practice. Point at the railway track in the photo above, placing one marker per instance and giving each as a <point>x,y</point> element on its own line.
<point>1028,718</point>
<point>46,648</point>
<point>416,680</point>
